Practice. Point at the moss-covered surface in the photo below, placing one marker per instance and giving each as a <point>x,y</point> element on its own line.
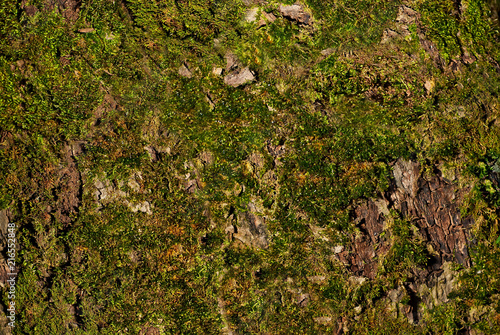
<point>91,92</point>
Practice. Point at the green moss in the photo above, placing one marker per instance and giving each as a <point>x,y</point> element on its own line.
<point>347,24</point>
<point>408,250</point>
<point>340,120</point>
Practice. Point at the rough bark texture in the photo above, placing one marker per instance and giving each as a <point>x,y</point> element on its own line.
<point>69,191</point>
<point>431,204</point>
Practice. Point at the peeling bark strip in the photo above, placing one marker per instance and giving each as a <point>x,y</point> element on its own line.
<point>295,13</point>
<point>433,207</point>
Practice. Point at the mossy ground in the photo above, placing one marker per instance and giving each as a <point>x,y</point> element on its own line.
<point>342,115</point>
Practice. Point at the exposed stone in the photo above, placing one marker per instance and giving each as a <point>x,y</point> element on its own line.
<point>275,150</point>
<point>134,256</point>
<point>393,300</point>
<point>143,206</point>
<point>270,178</point>
<point>256,160</point>
<point>467,58</point>
<point>105,191</point>
<point>237,75</point>
<point>209,99</point>
<point>356,281</point>
<point>133,182</point>
<point>155,151</point>
<point>206,157</point>
<point>191,185</point>
<point>160,140</point>
<point>396,295</point>
<point>338,249</point>
<point>231,61</point>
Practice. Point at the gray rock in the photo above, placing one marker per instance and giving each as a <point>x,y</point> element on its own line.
<point>252,15</point>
